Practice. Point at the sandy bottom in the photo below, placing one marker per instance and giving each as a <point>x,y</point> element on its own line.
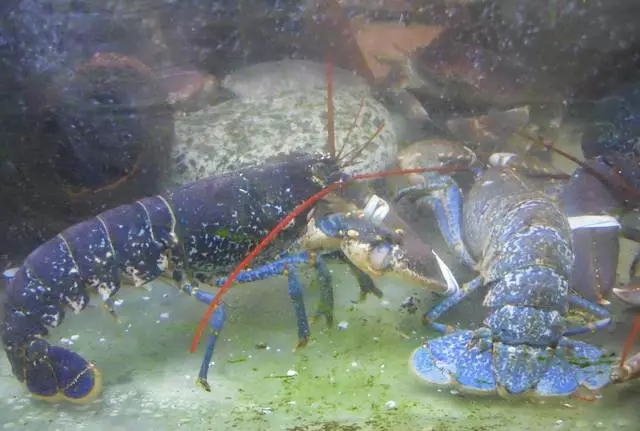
<point>346,379</point>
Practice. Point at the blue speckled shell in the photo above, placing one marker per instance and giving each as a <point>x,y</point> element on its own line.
<point>208,225</point>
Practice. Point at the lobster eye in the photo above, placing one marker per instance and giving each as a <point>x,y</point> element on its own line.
<point>380,257</point>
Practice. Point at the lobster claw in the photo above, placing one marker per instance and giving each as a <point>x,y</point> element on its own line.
<point>381,258</point>
<point>378,251</point>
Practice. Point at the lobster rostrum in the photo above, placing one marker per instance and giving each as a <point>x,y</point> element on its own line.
<point>512,225</point>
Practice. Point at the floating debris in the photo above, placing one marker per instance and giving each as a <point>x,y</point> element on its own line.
<point>390,405</point>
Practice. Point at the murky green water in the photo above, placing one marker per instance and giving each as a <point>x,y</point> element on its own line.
<point>353,376</point>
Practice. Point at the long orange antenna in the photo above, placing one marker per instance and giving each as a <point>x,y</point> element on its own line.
<point>293,214</point>
<point>628,344</point>
<point>331,128</point>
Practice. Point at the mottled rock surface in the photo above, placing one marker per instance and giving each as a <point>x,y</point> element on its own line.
<point>279,108</point>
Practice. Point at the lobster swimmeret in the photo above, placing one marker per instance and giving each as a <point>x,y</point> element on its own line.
<point>207,226</point>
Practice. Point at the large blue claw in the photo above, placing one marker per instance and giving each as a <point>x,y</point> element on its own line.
<point>442,194</point>
<point>52,373</point>
<point>467,360</point>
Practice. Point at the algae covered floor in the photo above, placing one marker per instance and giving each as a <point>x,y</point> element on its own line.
<point>346,379</point>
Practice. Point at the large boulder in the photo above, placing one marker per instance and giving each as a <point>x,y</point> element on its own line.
<point>279,108</point>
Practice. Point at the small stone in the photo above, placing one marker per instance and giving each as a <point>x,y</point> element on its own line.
<point>291,373</point>
<point>343,325</point>
<point>390,405</point>
<point>266,411</point>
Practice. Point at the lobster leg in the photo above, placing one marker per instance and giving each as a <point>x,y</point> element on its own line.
<point>634,265</point>
<point>326,305</point>
<point>296,293</point>
<point>442,194</point>
<point>448,303</point>
<point>286,265</point>
<point>269,270</point>
<point>604,317</point>
<point>217,323</point>
<point>367,286</point>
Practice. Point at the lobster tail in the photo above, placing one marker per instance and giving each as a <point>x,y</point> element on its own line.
<point>87,257</point>
<point>49,372</point>
<point>52,373</point>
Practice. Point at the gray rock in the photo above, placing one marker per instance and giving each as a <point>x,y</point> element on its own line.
<point>281,108</point>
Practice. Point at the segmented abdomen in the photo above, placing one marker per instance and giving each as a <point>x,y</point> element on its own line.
<point>525,246</point>
<point>210,223</point>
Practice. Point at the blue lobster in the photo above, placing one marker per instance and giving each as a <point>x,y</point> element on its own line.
<point>512,225</point>
<point>193,232</point>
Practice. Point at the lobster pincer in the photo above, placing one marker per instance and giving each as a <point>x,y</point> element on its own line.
<point>377,250</point>
<point>438,192</point>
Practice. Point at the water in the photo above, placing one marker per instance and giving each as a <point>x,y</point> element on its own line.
<point>352,376</point>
